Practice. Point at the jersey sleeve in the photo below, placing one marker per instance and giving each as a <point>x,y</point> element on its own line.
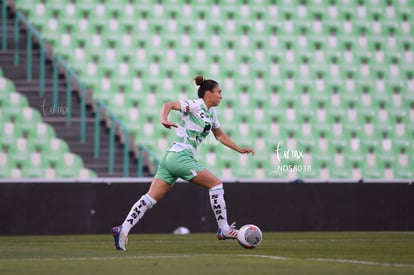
<point>189,106</point>
<point>215,120</point>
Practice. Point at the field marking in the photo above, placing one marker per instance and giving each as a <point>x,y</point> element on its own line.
<point>361,262</point>
<point>144,257</point>
<point>345,261</point>
<point>326,240</point>
<point>270,257</point>
<point>99,258</point>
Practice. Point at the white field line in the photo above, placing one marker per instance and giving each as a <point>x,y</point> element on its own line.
<point>100,258</point>
<point>334,260</point>
<point>345,261</point>
<point>269,257</point>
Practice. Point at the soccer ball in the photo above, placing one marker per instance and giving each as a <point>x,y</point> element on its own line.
<point>181,230</point>
<point>249,236</point>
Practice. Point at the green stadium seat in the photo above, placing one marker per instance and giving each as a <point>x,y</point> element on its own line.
<point>12,107</point>
<point>41,134</point>
<point>33,167</point>
<point>85,173</point>
<point>6,87</point>
<point>56,150</point>
<point>21,150</point>
<point>10,131</point>
<point>70,166</point>
<point>28,146</point>
<point>312,68</point>
<point>5,164</point>
<point>29,118</point>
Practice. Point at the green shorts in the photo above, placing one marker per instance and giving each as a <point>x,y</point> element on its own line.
<point>174,165</point>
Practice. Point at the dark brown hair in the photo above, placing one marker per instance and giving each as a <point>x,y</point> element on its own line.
<point>204,85</point>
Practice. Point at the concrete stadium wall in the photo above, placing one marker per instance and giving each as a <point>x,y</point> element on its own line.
<point>94,207</point>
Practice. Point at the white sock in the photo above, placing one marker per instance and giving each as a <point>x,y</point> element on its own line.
<point>219,207</point>
<point>137,211</point>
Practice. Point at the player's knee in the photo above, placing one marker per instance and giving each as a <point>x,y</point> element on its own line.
<point>217,186</point>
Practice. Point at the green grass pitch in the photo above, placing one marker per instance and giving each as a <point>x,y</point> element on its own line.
<point>279,253</point>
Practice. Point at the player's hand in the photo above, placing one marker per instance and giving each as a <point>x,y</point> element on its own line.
<point>246,151</point>
<point>168,124</point>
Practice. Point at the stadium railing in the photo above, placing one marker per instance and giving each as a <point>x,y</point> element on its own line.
<point>31,32</point>
<point>59,64</point>
<point>70,75</point>
<point>113,120</point>
<point>3,25</point>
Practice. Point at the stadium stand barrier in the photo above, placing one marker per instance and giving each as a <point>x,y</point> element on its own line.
<point>82,206</point>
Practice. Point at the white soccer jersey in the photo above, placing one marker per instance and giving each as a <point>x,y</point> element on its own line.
<point>197,121</point>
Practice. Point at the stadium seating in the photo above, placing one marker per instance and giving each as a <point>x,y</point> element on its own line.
<point>29,147</point>
<point>336,80</point>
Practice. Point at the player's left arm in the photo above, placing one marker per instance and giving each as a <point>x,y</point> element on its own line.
<point>226,140</point>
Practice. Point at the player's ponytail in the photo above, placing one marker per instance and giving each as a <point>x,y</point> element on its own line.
<point>204,85</point>
<point>199,79</point>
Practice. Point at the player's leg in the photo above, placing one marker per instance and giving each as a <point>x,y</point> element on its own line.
<point>161,184</point>
<point>156,192</point>
<point>218,204</point>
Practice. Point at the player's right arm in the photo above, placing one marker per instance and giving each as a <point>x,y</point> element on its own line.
<point>165,111</point>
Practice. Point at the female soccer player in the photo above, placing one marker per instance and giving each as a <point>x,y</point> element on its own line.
<point>198,118</point>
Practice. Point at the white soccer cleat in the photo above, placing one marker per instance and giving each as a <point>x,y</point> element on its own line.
<point>230,234</point>
<point>120,239</point>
